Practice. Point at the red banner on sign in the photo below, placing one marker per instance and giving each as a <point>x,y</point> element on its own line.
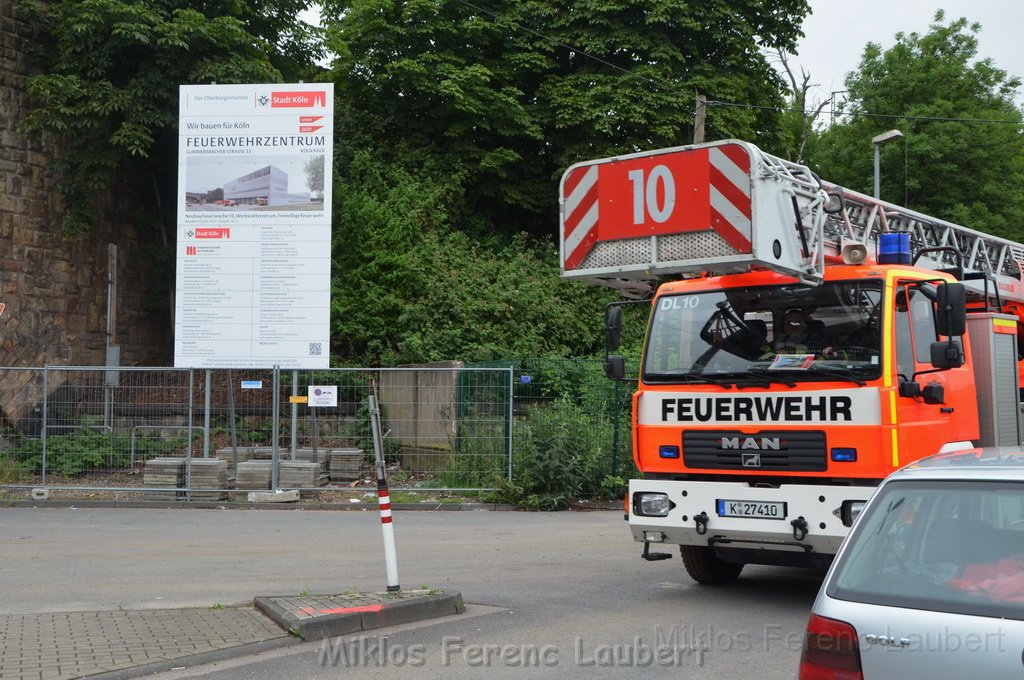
<point>222,232</point>
<point>298,99</point>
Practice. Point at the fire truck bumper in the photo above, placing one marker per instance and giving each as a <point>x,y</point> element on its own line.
<point>734,516</point>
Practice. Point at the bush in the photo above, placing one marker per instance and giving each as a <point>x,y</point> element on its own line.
<point>561,455</point>
<point>87,449</point>
<point>83,450</point>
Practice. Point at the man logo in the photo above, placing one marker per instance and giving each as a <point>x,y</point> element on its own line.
<point>751,460</point>
<point>752,443</point>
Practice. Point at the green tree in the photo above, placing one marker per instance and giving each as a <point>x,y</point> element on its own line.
<point>407,287</point>
<point>962,157</point>
<point>498,101</point>
<point>110,71</point>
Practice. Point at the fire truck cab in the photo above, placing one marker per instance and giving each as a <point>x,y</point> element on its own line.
<point>804,341</point>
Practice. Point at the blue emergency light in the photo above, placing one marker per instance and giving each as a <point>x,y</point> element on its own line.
<point>894,248</point>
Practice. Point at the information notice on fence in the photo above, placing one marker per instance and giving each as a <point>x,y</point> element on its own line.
<point>254,226</point>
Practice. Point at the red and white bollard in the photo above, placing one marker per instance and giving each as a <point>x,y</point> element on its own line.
<point>383,497</point>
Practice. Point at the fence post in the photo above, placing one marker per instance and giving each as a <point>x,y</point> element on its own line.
<point>275,428</point>
<point>46,400</point>
<point>617,430</point>
<point>315,435</point>
<point>206,416</point>
<point>295,413</point>
<point>191,420</point>
<point>509,420</point>
<point>231,415</point>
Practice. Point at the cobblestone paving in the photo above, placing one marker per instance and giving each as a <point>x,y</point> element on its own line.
<point>76,644</point>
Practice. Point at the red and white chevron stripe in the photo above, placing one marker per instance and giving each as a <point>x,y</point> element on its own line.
<point>730,195</point>
<point>580,213</point>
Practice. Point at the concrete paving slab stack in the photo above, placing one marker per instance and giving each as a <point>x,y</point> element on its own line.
<point>347,464</point>
<point>209,479</point>
<point>265,453</point>
<point>228,454</point>
<point>161,473</point>
<point>253,474</point>
<point>298,474</point>
<point>320,457</point>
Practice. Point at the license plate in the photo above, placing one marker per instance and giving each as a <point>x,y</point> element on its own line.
<point>755,509</point>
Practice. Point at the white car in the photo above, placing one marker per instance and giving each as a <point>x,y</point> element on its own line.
<point>930,581</point>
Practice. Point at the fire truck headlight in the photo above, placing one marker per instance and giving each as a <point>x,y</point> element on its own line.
<point>651,504</point>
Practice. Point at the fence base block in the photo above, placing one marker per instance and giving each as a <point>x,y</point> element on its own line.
<point>274,496</point>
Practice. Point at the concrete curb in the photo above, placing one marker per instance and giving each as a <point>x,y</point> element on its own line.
<point>315,617</point>
<point>229,505</point>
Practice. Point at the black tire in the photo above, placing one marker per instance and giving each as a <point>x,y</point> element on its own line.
<point>703,566</point>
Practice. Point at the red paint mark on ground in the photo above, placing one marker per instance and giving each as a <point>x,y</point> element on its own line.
<point>343,610</point>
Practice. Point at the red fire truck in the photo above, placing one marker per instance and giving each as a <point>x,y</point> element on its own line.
<point>804,341</point>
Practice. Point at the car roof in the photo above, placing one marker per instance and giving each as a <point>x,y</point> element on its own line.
<point>994,462</point>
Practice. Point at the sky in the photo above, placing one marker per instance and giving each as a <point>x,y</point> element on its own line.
<point>837,31</point>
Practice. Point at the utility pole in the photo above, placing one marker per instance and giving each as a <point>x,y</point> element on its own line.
<point>698,119</point>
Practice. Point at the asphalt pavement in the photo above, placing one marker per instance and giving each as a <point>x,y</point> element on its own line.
<point>117,593</point>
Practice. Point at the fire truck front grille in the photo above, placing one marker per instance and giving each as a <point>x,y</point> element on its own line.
<point>769,450</point>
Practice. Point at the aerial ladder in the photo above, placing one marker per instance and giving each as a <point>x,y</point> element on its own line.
<point>805,220</point>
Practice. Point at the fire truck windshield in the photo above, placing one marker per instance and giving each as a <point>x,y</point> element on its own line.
<point>783,333</point>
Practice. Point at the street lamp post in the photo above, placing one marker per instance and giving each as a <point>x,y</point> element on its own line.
<point>878,141</point>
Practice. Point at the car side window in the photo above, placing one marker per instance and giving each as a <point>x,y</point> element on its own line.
<point>1010,512</point>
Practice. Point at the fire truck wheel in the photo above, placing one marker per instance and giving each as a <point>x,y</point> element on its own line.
<point>703,565</point>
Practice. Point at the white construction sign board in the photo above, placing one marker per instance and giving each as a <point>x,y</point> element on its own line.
<point>254,226</point>
<point>323,395</point>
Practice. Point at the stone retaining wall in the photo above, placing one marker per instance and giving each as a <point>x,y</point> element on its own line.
<point>54,287</point>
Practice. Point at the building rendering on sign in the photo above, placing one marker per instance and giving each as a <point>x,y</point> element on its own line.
<point>266,186</point>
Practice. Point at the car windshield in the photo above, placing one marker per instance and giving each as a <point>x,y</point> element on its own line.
<point>948,546</point>
<point>793,332</point>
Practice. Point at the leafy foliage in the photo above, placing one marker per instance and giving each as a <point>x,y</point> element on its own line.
<point>956,161</point>
<point>565,441</point>
<point>561,456</point>
<point>108,90</point>
<point>499,101</point>
<point>408,288</point>
<point>86,449</point>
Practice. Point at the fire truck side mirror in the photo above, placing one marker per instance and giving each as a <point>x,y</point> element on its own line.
<point>612,328</point>
<point>947,354</point>
<point>910,388</point>
<point>951,299</point>
<point>615,367</point>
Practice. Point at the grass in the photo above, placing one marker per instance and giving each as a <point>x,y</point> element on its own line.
<point>423,497</point>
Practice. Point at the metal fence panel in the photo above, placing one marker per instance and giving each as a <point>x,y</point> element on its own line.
<point>607,405</point>
<point>178,434</point>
